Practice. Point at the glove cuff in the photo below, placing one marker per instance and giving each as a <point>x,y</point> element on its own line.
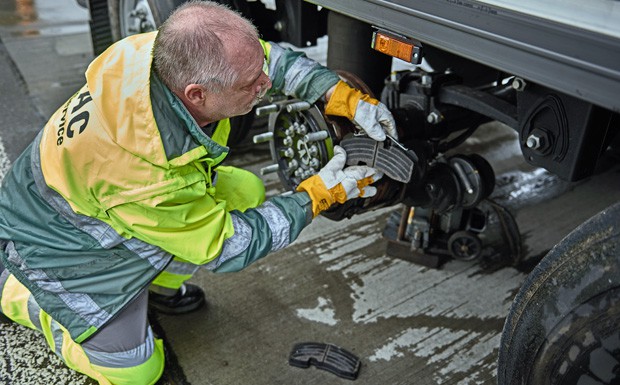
<point>321,198</point>
<point>343,101</point>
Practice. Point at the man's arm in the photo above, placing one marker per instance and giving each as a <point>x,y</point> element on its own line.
<point>193,226</point>
<point>269,227</point>
<point>293,74</point>
<point>333,184</point>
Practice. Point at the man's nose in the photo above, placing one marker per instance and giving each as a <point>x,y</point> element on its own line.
<point>267,84</point>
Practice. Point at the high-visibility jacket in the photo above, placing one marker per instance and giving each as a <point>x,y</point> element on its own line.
<point>120,180</point>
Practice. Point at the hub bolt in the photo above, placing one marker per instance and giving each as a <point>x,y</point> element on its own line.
<point>316,136</point>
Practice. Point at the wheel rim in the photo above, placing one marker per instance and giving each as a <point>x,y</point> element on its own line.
<point>465,246</point>
<point>136,17</point>
<point>576,350</point>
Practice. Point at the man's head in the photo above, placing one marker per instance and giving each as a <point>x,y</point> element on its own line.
<point>211,57</point>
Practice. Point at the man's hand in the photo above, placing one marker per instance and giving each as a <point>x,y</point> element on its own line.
<point>365,112</point>
<point>336,184</point>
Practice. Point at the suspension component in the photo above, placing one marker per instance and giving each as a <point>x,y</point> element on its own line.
<point>461,181</point>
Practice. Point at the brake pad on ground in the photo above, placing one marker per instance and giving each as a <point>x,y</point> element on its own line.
<point>388,157</point>
<point>326,357</point>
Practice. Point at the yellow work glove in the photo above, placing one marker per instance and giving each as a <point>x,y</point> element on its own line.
<point>336,184</point>
<point>368,114</point>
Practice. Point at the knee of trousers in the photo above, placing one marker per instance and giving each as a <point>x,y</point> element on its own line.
<point>17,303</point>
<point>143,364</point>
<point>135,367</point>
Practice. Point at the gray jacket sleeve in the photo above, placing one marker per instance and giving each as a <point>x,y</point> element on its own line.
<point>269,227</point>
<point>293,74</point>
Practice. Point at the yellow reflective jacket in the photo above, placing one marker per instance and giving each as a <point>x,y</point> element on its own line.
<point>125,178</point>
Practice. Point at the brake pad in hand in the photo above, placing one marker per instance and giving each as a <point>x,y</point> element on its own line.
<point>388,157</point>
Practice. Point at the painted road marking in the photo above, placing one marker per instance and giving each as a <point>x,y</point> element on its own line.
<point>323,313</point>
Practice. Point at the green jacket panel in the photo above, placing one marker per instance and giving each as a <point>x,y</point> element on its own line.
<point>77,268</point>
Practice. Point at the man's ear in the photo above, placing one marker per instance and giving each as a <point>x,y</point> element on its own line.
<point>195,94</point>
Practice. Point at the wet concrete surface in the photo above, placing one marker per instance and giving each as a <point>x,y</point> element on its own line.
<point>336,284</point>
<point>41,45</point>
<point>45,48</point>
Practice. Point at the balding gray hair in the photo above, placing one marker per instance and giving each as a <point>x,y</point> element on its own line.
<point>190,46</point>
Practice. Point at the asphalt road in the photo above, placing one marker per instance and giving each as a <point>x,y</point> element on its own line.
<point>408,324</point>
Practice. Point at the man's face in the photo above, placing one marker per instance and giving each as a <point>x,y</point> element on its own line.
<point>249,89</point>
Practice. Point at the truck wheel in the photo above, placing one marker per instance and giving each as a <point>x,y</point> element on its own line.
<point>563,324</point>
<point>129,17</point>
<point>348,49</point>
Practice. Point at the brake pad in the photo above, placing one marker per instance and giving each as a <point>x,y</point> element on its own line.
<point>389,157</point>
<point>325,357</point>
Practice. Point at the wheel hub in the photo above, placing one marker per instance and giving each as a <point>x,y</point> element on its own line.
<point>301,144</point>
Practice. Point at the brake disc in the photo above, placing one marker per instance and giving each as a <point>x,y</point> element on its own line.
<point>301,137</point>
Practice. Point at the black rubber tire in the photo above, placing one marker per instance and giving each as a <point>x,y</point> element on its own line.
<point>160,9</point>
<point>562,327</point>
<point>348,49</point>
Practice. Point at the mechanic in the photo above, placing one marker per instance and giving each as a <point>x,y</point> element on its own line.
<point>123,195</point>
